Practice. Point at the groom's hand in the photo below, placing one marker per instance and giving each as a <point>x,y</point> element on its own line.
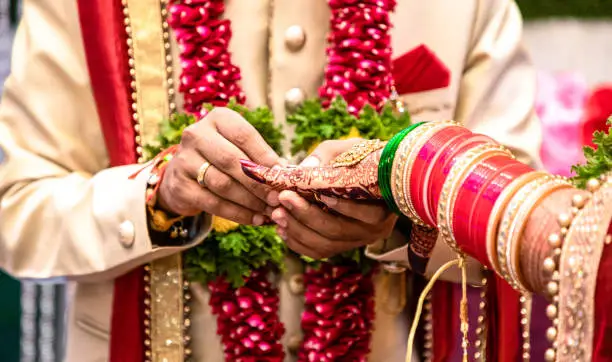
<point>309,230</point>
<point>214,147</point>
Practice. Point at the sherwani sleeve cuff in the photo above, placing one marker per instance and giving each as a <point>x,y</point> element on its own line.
<point>392,253</point>
<point>125,221</point>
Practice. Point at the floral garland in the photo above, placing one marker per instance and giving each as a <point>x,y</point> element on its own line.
<point>236,260</point>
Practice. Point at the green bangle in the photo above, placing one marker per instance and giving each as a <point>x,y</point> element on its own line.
<point>386,164</point>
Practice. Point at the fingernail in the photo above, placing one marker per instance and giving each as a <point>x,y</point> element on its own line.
<point>310,161</point>
<point>329,201</point>
<point>250,169</point>
<point>272,198</point>
<point>258,220</point>
<point>282,233</point>
<point>287,204</point>
<point>278,218</point>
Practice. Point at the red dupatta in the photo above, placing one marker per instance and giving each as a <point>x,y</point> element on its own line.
<point>104,39</point>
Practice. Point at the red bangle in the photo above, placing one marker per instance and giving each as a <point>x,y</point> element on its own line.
<point>425,183</point>
<point>479,175</point>
<point>484,202</point>
<point>444,164</point>
<point>421,165</point>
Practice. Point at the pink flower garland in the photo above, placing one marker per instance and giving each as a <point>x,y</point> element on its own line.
<point>339,309</point>
<point>247,317</point>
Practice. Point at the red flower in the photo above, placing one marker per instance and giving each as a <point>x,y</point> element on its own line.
<point>338,315</point>
<point>247,319</point>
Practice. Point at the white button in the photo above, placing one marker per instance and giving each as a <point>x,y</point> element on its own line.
<point>393,268</point>
<point>127,233</point>
<point>295,38</point>
<point>294,343</point>
<point>296,284</point>
<point>294,98</point>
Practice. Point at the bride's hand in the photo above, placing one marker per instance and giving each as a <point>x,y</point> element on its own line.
<point>320,175</point>
<point>307,227</point>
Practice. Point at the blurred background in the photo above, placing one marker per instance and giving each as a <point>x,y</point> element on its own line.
<point>570,42</point>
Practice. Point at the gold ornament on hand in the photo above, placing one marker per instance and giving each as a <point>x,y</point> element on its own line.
<point>202,173</point>
<point>358,153</point>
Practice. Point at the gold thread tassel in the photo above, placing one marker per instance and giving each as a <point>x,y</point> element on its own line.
<point>463,315</point>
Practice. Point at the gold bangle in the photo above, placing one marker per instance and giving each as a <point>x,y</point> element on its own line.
<point>498,209</point>
<point>402,166</point>
<point>509,217</point>
<point>518,223</point>
<point>456,176</point>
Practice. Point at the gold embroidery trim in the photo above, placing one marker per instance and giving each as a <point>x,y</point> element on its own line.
<point>150,70</point>
<point>150,65</point>
<point>579,265</point>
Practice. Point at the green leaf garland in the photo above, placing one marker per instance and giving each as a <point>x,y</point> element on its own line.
<point>598,160</point>
<point>315,123</point>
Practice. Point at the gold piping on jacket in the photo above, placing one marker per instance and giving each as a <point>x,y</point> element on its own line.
<point>152,96</point>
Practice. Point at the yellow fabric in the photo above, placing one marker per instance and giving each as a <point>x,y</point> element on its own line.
<point>222,225</point>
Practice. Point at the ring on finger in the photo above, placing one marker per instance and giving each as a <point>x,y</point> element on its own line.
<point>202,173</point>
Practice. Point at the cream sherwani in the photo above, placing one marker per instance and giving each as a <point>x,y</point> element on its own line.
<point>64,213</point>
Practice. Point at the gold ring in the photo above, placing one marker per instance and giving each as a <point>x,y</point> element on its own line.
<point>202,172</point>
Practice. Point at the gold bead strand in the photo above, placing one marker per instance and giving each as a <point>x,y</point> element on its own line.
<point>525,312</point>
<point>428,327</point>
<point>551,267</point>
<point>168,58</point>
<point>147,314</point>
<point>186,320</point>
<point>132,70</point>
<point>482,326</point>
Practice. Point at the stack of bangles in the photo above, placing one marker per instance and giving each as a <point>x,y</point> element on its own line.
<point>441,175</point>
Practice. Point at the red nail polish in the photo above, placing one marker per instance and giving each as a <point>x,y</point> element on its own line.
<point>250,169</point>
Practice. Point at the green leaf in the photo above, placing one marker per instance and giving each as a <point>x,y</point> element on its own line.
<point>598,159</point>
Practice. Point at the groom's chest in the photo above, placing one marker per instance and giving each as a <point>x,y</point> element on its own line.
<point>280,47</point>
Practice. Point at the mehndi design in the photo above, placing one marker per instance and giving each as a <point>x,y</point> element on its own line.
<point>352,175</point>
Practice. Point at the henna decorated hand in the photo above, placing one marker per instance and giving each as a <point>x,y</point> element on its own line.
<point>306,226</point>
<point>351,175</point>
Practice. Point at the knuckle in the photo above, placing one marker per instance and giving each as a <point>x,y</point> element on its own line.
<point>241,136</point>
<point>227,160</point>
<point>211,204</point>
<point>221,183</point>
<point>174,190</point>
<point>190,134</point>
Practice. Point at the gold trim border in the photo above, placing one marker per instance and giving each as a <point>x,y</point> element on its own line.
<point>151,70</point>
<point>579,265</point>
